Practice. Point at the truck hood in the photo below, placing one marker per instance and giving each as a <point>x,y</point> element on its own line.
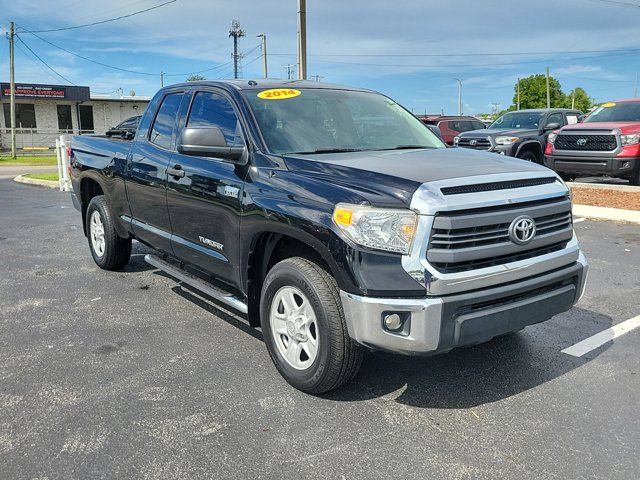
<point>496,132</point>
<point>625,127</point>
<point>398,173</point>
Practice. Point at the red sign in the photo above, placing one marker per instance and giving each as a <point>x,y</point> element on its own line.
<point>36,91</point>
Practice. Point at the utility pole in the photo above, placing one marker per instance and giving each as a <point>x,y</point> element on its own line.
<point>235,32</point>
<point>573,98</point>
<point>290,69</point>
<point>316,77</point>
<point>161,79</point>
<point>635,88</point>
<point>459,95</point>
<point>548,91</point>
<point>264,54</point>
<point>12,89</point>
<point>518,103</point>
<point>302,39</point>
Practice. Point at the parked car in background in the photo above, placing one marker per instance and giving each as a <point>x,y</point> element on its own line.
<point>450,127</point>
<point>436,131</point>
<point>606,143</point>
<point>126,129</point>
<point>522,133</point>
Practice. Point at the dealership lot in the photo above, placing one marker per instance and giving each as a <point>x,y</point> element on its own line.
<point>128,375</point>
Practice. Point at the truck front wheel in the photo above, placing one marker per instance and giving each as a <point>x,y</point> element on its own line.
<point>109,250</point>
<point>304,329</point>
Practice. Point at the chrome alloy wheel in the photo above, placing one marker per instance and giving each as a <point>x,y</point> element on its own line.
<point>294,327</point>
<point>96,231</point>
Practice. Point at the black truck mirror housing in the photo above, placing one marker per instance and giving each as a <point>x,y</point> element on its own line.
<point>208,142</point>
<point>551,126</point>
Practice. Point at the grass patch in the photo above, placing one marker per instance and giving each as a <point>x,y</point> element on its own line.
<point>30,160</point>
<point>53,176</point>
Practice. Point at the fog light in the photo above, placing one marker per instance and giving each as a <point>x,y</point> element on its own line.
<point>393,322</point>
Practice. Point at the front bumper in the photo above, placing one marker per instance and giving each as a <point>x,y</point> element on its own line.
<point>438,324</point>
<point>583,165</point>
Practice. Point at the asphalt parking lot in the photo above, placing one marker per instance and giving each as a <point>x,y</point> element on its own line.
<point>128,375</point>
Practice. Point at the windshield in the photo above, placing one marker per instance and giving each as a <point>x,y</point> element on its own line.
<point>518,120</point>
<point>616,112</point>
<point>312,120</point>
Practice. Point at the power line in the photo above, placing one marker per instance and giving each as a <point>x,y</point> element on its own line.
<point>101,21</point>
<point>470,54</point>
<point>43,62</point>
<point>616,2</point>
<point>114,67</point>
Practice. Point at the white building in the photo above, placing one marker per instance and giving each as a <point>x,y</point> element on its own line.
<point>43,112</point>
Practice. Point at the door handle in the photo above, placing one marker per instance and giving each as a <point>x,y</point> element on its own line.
<point>176,171</point>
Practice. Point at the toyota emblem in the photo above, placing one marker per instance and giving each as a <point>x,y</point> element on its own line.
<point>522,230</point>
<point>581,142</point>
<point>473,142</point>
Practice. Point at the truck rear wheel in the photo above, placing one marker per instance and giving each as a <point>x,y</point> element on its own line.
<point>304,329</point>
<point>109,250</point>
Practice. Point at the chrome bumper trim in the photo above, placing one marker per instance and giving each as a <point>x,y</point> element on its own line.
<point>364,315</point>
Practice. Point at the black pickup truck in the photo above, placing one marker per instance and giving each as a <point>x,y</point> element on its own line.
<point>333,218</point>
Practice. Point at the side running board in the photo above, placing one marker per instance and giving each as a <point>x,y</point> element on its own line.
<point>195,282</point>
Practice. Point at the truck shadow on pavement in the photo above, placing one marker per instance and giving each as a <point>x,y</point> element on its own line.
<point>486,373</point>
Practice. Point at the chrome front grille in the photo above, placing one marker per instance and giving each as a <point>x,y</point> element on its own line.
<point>587,142</point>
<point>476,238</point>
<point>477,143</point>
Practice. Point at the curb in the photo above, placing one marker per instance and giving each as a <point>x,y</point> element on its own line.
<point>41,183</point>
<point>606,213</point>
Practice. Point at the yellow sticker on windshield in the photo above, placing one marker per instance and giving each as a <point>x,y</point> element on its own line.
<point>607,105</point>
<point>279,93</point>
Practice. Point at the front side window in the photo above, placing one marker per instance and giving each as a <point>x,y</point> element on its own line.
<point>322,120</point>
<point>213,110</point>
<point>555,118</point>
<point>518,120</point>
<point>162,130</point>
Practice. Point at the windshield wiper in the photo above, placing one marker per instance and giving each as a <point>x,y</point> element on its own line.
<point>331,150</point>
<point>407,147</point>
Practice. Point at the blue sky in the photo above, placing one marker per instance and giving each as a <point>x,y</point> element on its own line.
<point>387,46</point>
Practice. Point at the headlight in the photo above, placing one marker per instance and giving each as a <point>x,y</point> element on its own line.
<point>455,141</point>
<point>552,138</point>
<point>632,139</point>
<point>380,228</point>
<point>506,140</point>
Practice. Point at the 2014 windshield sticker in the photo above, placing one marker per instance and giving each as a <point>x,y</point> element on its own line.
<point>608,105</point>
<point>279,93</point>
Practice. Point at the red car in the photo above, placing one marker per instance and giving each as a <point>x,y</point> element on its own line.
<point>451,127</point>
<point>607,142</point>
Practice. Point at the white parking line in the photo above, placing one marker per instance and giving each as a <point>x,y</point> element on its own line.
<point>593,342</point>
<point>579,219</point>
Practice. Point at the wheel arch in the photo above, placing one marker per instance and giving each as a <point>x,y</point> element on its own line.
<point>532,146</point>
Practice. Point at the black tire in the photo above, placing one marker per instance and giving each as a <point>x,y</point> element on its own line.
<point>567,177</point>
<point>529,157</point>
<point>117,250</point>
<point>338,357</point>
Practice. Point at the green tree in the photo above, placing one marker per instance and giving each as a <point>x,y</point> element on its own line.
<point>195,78</point>
<point>533,92</point>
<point>581,101</point>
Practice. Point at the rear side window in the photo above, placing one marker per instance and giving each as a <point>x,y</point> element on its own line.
<point>213,110</point>
<point>163,125</point>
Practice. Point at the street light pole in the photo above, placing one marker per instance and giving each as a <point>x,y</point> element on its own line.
<point>302,39</point>
<point>12,89</point>
<point>459,95</point>
<point>264,54</point>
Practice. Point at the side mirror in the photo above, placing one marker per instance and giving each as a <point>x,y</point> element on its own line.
<point>551,126</point>
<point>208,142</point>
